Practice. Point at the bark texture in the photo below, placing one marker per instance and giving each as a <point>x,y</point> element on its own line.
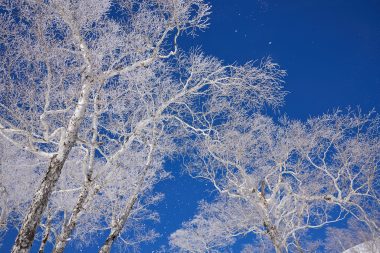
<point>28,229</point>
<point>68,228</point>
<point>269,227</point>
<point>116,230</point>
<point>119,224</point>
<point>27,232</point>
<point>46,235</point>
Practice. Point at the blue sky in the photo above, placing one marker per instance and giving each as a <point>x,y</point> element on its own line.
<point>330,49</point>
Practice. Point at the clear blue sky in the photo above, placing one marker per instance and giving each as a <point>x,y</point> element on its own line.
<point>330,49</point>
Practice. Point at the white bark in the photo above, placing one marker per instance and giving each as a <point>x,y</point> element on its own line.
<point>72,48</point>
<point>120,221</point>
<point>45,235</point>
<point>30,223</point>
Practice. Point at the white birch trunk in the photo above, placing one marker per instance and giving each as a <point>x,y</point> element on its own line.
<point>28,229</point>
<point>116,229</point>
<point>119,224</point>
<point>68,228</point>
<point>46,235</point>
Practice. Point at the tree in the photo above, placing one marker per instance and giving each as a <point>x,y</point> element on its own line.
<point>12,205</point>
<point>279,181</point>
<point>105,80</point>
<point>343,240</point>
<point>103,205</point>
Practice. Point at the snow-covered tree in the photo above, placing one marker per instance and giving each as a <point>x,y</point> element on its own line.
<point>106,200</point>
<point>106,81</point>
<point>279,181</point>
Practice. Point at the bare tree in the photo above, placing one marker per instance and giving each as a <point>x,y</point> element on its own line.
<point>106,79</point>
<point>355,237</point>
<point>281,181</point>
<point>12,204</point>
<point>104,203</point>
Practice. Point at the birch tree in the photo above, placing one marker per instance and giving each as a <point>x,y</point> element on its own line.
<point>280,181</point>
<point>62,222</point>
<point>107,78</point>
<point>346,239</point>
<point>13,204</point>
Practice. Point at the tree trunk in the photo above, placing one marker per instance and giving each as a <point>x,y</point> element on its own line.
<point>4,211</point>
<point>27,232</point>
<point>269,227</point>
<point>116,229</point>
<point>272,232</point>
<point>46,235</point>
<point>28,229</point>
<point>119,224</point>
<point>68,228</point>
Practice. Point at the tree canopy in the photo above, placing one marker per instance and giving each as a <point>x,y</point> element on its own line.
<point>95,96</point>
